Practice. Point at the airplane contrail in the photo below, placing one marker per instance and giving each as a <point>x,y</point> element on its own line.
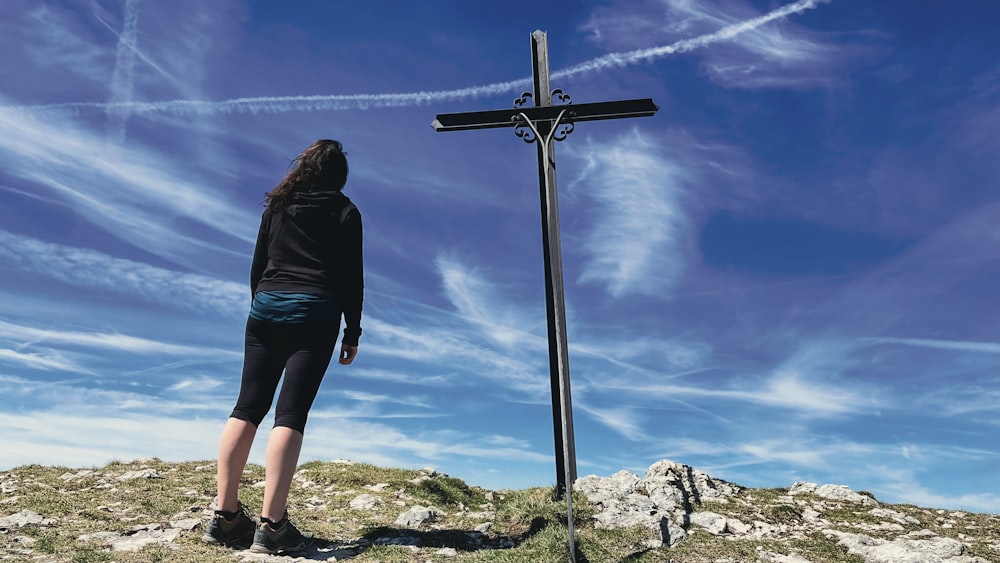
<point>684,45</point>
<point>281,104</point>
<point>122,85</point>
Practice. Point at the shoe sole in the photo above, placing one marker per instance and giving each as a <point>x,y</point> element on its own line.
<point>257,548</point>
<point>245,540</point>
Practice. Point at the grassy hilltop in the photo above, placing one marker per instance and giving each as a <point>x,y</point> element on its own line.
<point>150,511</point>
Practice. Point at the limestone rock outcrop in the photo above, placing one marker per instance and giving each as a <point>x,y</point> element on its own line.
<point>669,500</point>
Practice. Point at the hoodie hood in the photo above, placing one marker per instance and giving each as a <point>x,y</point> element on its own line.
<point>310,202</point>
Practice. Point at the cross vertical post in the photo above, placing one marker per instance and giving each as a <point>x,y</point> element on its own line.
<point>555,300</point>
<point>544,123</point>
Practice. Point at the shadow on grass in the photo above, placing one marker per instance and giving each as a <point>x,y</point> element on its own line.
<point>459,540</point>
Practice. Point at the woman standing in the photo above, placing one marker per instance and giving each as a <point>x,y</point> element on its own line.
<point>307,271</point>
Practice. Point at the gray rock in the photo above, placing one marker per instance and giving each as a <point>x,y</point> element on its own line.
<point>68,476</point>
<point>668,481</point>
<point>365,502</point>
<point>714,523</point>
<point>737,527</point>
<point>101,537</point>
<point>922,546</point>
<point>315,503</point>
<point>629,510</point>
<point>893,515</point>
<point>416,516</point>
<point>832,492</point>
<point>22,519</point>
<point>424,475</point>
<point>139,474</point>
<point>667,489</point>
<point>138,538</point>
<point>606,490</point>
<point>782,558</point>
<point>186,524</point>
<point>671,533</point>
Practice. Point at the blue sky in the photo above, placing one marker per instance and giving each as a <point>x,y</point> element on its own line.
<point>789,273</point>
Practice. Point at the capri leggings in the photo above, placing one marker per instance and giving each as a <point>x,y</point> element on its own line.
<point>302,350</point>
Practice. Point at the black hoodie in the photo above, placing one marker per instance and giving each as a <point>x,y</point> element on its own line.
<point>312,244</point>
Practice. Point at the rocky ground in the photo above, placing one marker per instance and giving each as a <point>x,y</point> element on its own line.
<point>149,510</point>
<point>677,500</point>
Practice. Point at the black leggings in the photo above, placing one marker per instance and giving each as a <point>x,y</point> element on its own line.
<point>302,350</point>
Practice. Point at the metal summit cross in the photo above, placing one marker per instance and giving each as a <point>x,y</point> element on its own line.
<point>545,123</point>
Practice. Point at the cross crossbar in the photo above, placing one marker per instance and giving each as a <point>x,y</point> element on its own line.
<point>491,119</point>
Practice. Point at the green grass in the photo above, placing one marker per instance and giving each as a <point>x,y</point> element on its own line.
<point>527,525</point>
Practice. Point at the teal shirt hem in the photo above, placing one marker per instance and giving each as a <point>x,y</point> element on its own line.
<point>293,307</point>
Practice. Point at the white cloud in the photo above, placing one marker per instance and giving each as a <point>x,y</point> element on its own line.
<point>623,420</point>
<point>903,484</point>
<point>399,376</point>
<point>44,360</point>
<point>196,384</point>
<point>64,440</point>
<point>105,341</point>
<point>122,83</point>
<point>751,51</point>
<point>786,390</point>
<point>785,453</point>
<point>378,398</point>
<point>450,348</point>
<point>60,40</point>
<point>89,268</point>
<point>636,244</point>
<point>148,196</point>
<point>956,345</point>
<point>789,49</point>
<point>481,303</point>
<point>976,402</point>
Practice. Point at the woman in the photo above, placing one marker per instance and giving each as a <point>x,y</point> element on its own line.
<point>307,271</point>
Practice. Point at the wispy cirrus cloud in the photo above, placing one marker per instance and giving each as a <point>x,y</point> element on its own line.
<point>276,104</point>
<point>623,420</point>
<point>903,482</point>
<point>59,39</point>
<point>781,451</point>
<point>481,302</point>
<point>41,437</point>
<point>55,154</point>
<point>86,397</point>
<point>127,41</point>
<point>433,341</point>
<point>89,268</point>
<point>787,390</point>
<point>956,345</point>
<point>973,401</point>
<point>122,84</point>
<point>409,401</point>
<point>750,55</point>
<point>636,244</point>
<point>48,360</point>
<point>32,336</point>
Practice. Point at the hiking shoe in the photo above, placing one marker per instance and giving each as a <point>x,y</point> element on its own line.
<point>286,539</point>
<point>237,532</point>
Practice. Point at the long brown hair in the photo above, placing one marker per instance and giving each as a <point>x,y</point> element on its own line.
<point>322,166</point>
